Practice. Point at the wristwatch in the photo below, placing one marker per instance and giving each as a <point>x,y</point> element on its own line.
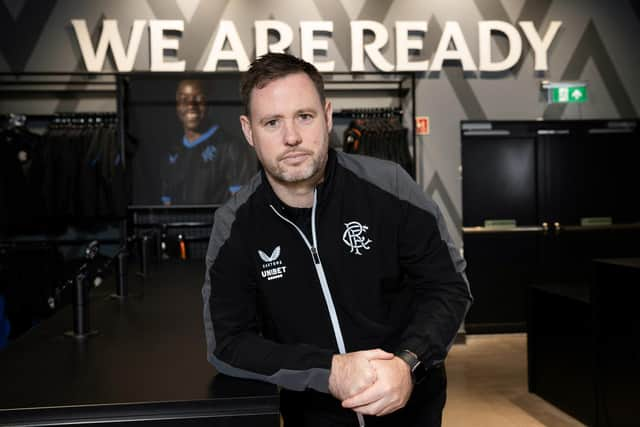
<point>418,370</point>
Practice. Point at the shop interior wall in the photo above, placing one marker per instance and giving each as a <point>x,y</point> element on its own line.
<point>597,43</point>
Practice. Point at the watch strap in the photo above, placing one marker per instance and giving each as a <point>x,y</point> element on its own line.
<point>416,367</point>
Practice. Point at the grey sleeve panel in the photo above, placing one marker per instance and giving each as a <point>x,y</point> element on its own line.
<point>223,220</point>
<point>315,378</point>
<point>391,178</point>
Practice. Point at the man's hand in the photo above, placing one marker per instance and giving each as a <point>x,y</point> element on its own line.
<point>351,373</point>
<point>390,392</point>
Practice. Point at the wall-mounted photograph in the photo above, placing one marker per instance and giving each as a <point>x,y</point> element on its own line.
<point>185,130</point>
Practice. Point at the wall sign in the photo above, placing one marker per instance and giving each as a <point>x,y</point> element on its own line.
<point>422,125</point>
<point>368,38</point>
<point>569,95</point>
<point>565,92</point>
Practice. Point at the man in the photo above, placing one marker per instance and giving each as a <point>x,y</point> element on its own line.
<point>331,275</point>
<point>206,166</point>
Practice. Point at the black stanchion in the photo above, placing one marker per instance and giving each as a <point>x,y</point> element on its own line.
<point>81,314</point>
<point>122,285</point>
<point>81,318</point>
<point>144,257</point>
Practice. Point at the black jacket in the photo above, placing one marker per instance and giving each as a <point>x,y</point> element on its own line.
<point>379,271</point>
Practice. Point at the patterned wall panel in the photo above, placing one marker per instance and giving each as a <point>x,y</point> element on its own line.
<point>597,43</point>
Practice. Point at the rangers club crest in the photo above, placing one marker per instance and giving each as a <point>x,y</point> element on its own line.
<point>354,236</point>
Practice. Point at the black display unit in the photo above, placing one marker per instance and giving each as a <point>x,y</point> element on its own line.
<point>499,179</point>
<point>591,171</point>
<point>540,200</point>
<point>582,344</point>
<point>144,364</point>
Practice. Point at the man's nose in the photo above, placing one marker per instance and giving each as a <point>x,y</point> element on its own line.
<point>291,134</point>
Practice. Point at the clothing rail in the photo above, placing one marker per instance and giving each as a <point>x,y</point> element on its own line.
<point>367,113</point>
<point>53,82</point>
<point>59,116</point>
<point>184,224</point>
<point>9,244</point>
<point>196,239</point>
<point>84,83</point>
<point>58,119</point>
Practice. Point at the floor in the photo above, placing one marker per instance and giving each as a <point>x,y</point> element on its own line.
<point>488,386</point>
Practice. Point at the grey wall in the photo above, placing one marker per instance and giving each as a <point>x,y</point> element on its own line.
<point>597,43</point>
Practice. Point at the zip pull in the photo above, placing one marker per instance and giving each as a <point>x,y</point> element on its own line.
<point>314,254</point>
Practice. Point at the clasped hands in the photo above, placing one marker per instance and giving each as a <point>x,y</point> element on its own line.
<point>371,382</point>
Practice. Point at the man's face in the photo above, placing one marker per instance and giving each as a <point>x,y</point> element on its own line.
<point>289,128</point>
<point>190,104</point>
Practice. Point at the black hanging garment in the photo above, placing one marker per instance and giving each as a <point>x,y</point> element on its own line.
<point>379,134</point>
<point>21,199</point>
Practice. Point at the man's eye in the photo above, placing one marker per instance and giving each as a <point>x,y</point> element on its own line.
<point>306,116</point>
<point>271,123</point>
<point>188,100</point>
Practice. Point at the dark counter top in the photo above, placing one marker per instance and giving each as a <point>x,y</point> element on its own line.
<point>578,292</point>
<point>149,356</point>
<point>624,262</point>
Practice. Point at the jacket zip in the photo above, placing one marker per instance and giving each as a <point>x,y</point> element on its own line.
<point>313,248</point>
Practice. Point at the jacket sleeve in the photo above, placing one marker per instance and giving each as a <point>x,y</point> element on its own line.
<point>235,345</point>
<point>434,267</point>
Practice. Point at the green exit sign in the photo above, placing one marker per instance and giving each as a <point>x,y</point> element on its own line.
<point>568,94</point>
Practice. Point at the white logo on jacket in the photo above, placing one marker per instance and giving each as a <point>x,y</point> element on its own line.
<point>354,237</point>
<point>272,267</point>
<point>269,258</point>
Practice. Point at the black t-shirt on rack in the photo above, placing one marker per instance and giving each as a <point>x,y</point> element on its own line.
<point>20,179</point>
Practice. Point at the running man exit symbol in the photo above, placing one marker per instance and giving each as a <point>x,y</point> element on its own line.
<point>569,94</point>
<point>422,125</point>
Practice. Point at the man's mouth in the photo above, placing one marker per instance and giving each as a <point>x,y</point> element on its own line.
<point>295,156</point>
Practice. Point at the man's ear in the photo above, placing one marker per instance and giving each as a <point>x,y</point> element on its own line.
<point>246,129</point>
<point>328,113</point>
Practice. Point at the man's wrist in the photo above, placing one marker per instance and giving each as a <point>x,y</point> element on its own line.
<point>332,374</point>
<point>416,367</point>
<point>405,366</point>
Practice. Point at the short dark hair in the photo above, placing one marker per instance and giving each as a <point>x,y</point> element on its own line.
<point>274,66</point>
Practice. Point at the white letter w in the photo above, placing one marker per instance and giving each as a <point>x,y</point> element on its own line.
<point>94,59</point>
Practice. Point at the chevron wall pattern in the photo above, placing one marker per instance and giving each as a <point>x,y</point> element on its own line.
<point>597,43</point>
